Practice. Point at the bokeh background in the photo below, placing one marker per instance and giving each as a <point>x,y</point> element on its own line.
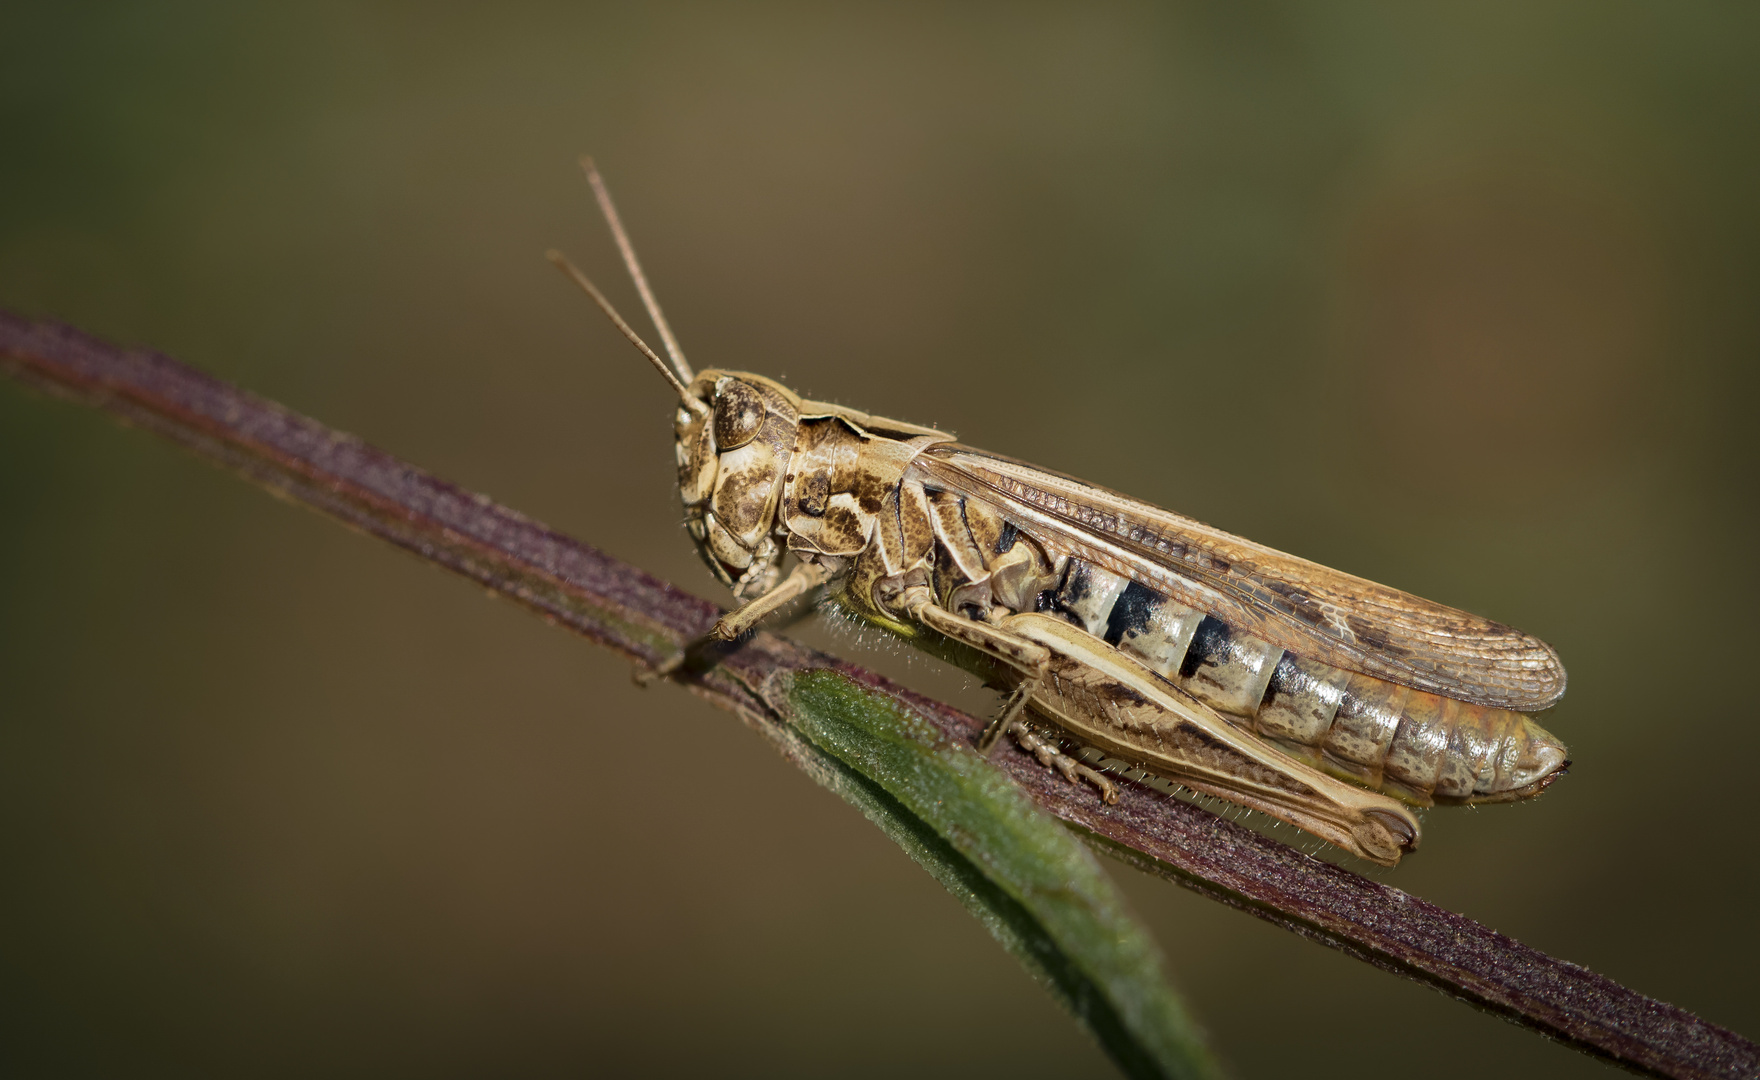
<point>1463,297</point>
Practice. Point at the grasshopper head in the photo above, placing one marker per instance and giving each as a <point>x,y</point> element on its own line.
<point>735,434</point>
<point>733,452</point>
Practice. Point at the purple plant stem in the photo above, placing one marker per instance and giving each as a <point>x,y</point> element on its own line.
<point>617,605</point>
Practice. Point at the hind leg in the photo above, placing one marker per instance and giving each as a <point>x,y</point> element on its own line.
<point>1052,757</point>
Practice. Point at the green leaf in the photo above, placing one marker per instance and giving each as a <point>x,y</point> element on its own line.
<point>1031,882</point>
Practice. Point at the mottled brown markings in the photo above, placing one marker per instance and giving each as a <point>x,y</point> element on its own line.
<point>853,499</point>
<point>1202,745</point>
<point>896,552</point>
<point>985,525</point>
<point>1283,679</point>
<point>1178,747</point>
<point>739,409</point>
<point>913,518</point>
<point>742,497</point>
<point>953,537</point>
<point>1299,603</point>
<point>1414,758</point>
<point>1363,729</point>
<point>1436,648</point>
<point>814,494</point>
<point>1117,693</point>
<point>1306,699</point>
<point>1470,749</point>
<point>1373,636</point>
<point>887,546</point>
<point>944,574</point>
<point>869,488</point>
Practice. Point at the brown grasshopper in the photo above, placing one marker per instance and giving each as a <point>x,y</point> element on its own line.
<point>1141,643</point>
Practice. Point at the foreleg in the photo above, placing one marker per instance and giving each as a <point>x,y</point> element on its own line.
<point>804,578</point>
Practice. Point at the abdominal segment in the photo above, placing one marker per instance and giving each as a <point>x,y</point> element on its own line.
<point>1420,747</point>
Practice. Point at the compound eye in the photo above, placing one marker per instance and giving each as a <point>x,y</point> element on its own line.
<point>739,412</point>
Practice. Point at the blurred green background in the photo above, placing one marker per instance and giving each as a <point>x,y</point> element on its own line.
<point>1462,297</point>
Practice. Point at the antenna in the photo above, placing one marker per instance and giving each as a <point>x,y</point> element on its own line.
<point>635,268</point>
<point>592,290</point>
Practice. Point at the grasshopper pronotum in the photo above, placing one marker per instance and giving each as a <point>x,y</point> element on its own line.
<point>1140,642</point>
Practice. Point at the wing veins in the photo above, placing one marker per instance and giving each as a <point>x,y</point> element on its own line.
<point>1324,614</point>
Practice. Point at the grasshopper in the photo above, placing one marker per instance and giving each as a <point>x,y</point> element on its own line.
<point>1140,643</point>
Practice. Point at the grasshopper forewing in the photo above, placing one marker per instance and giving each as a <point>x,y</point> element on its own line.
<point>1140,643</point>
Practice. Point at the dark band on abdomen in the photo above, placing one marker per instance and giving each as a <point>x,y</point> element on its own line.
<point>1411,743</point>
